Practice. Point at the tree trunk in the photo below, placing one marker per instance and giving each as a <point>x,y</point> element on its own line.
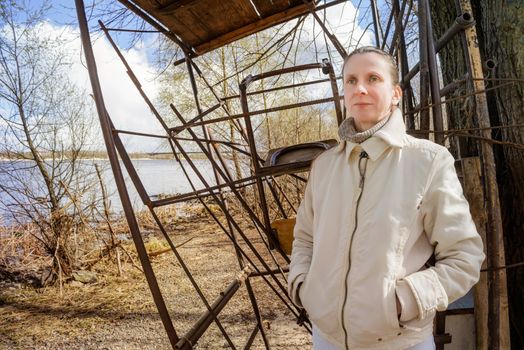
<point>499,27</point>
<point>502,25</point>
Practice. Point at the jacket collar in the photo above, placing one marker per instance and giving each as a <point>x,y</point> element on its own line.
<point>390,135</point>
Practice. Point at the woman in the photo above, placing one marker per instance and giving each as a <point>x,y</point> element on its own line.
<point>376,208</point>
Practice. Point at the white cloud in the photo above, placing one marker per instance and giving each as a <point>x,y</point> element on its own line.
<point>123,102</point>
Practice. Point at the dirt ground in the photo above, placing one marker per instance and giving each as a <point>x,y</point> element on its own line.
<point>118,312</point>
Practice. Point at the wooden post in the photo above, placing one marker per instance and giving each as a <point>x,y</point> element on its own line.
<point>472,175</point>
<point>498,304</point>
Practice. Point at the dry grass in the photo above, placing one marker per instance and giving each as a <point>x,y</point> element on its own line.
<point>119,313</point>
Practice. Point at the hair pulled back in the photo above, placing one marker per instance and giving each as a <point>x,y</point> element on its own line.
<point>387,57</point>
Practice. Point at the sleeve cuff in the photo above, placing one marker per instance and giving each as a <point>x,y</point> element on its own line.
<point>295,289</point>
<point>408,303</point>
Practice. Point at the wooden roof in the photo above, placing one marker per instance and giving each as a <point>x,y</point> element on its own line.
<point>204,25</point>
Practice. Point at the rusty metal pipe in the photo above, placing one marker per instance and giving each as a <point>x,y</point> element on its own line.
<point>334,89</point>
<point>175,130</point>
<point>376,23</point>
<point>454,85</point>
<point>388,27</point>
<point>280,88</point>
<point>251,78</point>
<point>408,91</point>
<point>424,68</point>
<point>251,338</point>
<point>134,133</point>
<point>462,22</point>
<point>261,111</point>
<point>192,280</point>
<point>129,165</point>
<point>273,241</point>
<point>238,253</point>
<point>199,194</point>
<point>265,273</point>
<point>438,123</point>
<point>188,341</point>
<point>138,184</point>
<point>119,179</point>
<point>489,65</point>
<point>213,142</point>
<point>399,25</point>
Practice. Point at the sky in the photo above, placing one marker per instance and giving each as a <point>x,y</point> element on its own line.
<point>125,106</point>
<point>123,102</point>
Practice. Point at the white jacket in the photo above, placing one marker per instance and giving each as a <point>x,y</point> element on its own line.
<point>359,240</point>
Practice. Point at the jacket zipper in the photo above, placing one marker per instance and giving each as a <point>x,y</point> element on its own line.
<point>362,171</point>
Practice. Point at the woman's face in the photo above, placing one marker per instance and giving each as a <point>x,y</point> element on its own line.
<point>369,92</point>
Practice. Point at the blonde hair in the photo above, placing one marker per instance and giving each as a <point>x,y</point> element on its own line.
<point>387,57</point>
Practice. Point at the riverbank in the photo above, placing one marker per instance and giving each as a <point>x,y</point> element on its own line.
<point>118,312</point>
<point>99,155</point>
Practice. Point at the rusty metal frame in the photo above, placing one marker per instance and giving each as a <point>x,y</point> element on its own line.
<point>327,68</point>
<point>119,179</point>
<point>431,95</point>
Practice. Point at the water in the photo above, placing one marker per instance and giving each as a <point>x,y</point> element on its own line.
<point>159,177</point>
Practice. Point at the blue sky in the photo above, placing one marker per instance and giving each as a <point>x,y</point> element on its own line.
<point>62,12</point>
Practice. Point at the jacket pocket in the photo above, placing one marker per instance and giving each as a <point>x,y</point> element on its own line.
<point>390,305</point>
<point>320,309</point>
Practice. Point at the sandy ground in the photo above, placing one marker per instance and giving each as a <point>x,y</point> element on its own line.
<point>118,312</point>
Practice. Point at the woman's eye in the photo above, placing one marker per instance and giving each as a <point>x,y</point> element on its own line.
<point>373,78</point>
<point>351,81</point>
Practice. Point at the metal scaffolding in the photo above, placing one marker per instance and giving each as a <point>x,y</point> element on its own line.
<point>422,106</point>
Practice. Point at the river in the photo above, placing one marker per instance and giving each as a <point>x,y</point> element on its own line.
<point>159,177</point>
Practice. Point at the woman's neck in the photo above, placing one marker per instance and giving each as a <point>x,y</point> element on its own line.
<point>348,130</point>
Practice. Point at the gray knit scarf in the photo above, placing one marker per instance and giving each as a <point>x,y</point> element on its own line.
<point>348,132</point>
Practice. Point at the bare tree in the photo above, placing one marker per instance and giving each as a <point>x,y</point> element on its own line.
<point>45,127</point>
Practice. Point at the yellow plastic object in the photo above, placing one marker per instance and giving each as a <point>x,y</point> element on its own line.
<point>284,228</point>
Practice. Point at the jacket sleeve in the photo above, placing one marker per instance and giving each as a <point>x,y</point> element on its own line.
<point>302,243</point>
<point>458,246</point>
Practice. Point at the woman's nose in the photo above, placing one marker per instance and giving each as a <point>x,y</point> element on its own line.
<point>361,89</point>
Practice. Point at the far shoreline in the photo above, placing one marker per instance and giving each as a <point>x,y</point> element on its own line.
<point>101,156</point>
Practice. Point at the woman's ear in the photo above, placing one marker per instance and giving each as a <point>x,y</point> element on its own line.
<point>397,95</point>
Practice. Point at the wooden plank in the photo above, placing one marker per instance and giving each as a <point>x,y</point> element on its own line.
<point>267,8</point>
<point>473,191</point>
<point>197,24</point>
<point>253,28</point>
<point>168,6</point>
<point>498,324</point>
<point>151,7</point>
<point>234,14</point>
<point>151,4</point>
<point>184,24</point>
<point>196,21</point>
